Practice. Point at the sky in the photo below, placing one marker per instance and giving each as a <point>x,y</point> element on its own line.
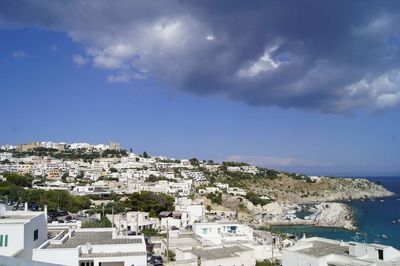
<point>301,86</point>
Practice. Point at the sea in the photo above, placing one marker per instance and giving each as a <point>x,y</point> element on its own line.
<point>378,221</point>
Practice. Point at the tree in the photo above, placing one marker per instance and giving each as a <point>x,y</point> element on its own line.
<point>268,263</point>
<point>255,199</point>
<point>150,202</point>
<point>194,162</point>
<point>145,155</point>
<point>19,180</point>
<point>216,198</point>
<point>104,222</point>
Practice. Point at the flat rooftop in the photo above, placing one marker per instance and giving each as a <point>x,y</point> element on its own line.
<point>115,254</point>
<point>94,238</point>
<point>18,216</point>
<point>321,248</point>
<point>219,253</point>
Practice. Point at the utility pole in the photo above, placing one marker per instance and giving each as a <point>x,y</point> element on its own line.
<point>167,252</point>
<point>137,223</point>
<point>272,247</point>
<point>112,211</point>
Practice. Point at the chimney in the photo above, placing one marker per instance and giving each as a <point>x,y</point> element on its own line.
<point>45,211</point>
<point>26,207</point>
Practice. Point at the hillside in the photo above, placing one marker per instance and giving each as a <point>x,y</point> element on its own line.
<point>286,187</point>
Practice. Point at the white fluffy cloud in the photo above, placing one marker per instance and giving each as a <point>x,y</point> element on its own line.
<point>343,60</point>
<point>80,60</point>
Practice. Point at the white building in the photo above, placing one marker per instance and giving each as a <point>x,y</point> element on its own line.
<point>222,185</point>
<point>232,255</point>
<point>194,208</point>
<point>20,232</point>
<point>175,219</point>
<point>216,233</point>
<point>237,191</point>
<point>93,247</point>
<point>5,156</point>
<point>207,190</point>
<point>132,221</point>
<point>99,190</point>
<point>325,252</point>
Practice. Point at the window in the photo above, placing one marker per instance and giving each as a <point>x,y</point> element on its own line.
<point>35,234</point>
<point>3,240</point>
<point>205,230</point>
<point>380,254</point>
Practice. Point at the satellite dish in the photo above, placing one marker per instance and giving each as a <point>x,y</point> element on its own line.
<point>2,209</point>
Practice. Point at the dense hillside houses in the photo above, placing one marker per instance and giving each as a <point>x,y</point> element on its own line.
<point>84,204</point>
<point>101,169</point>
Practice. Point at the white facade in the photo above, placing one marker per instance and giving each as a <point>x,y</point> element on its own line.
<point>132,221</point>
<point>20,232</point>
<point>97,246</point>
<point>195,209</point>
<point>5,156</point>
<point>178,220</point>
<point>237,191</point>
<point>232,255</point>
<point>216,233</point>
<point>325,252</point>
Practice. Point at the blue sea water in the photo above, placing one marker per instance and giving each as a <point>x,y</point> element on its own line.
<point>374,219</point>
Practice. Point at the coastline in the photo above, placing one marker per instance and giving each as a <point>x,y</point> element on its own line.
<point>327,214</point>
<point>377,218</point>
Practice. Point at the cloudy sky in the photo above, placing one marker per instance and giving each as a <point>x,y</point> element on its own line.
<point>308,86</point>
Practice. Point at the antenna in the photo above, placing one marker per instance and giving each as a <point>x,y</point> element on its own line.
<point>2,209</point>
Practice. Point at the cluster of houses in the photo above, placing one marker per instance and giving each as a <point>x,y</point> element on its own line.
<point>123,174</point>
<point>223,187</point>
<point>27,239</point>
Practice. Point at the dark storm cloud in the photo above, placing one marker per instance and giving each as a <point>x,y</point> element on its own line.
<point>331,56</point>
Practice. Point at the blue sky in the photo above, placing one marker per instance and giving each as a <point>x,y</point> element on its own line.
<point>61,84</point>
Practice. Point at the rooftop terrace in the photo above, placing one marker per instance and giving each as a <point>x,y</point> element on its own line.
<point>219,253</point>
<point>320,249</point>
<point>94,238</point>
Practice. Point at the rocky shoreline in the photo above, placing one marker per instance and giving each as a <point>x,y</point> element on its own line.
<point>326,214</point>
<point>335,214</point>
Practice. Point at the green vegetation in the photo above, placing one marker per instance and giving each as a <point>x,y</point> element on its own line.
<point>234,164</point>
<point>153,178</point>
<point>78,154</point>
<point>149,232</point>
<point>12,189</point>
<point>255,199</point>
<point>216,198</point>
<point>114,153</point>
<point>104,222</point>
<point>171,255</point>
<point>18,180</point>
<point>117,206</point>
<point>195,162</point>
<point>268,263</point>
<point>150,202</point>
